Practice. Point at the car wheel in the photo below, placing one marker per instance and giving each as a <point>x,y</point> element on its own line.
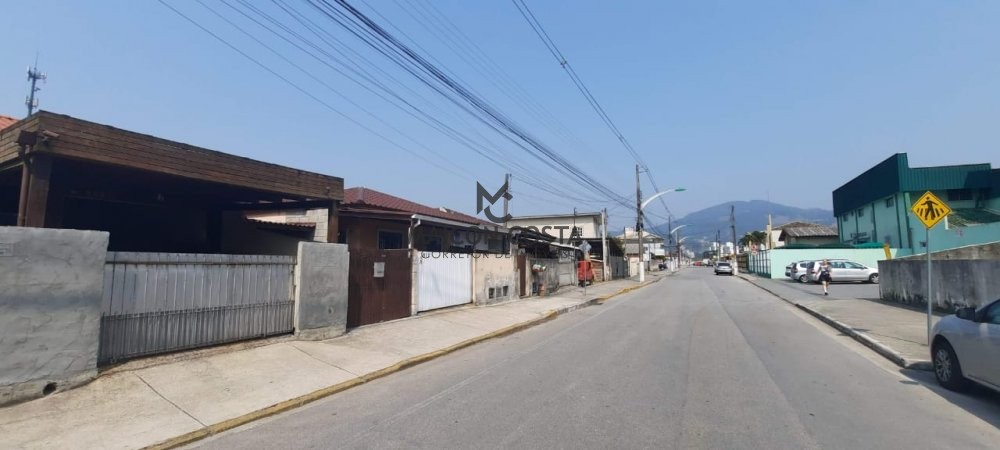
<point>803,278</point>
<point>947,370</point>
<point>873,279</point>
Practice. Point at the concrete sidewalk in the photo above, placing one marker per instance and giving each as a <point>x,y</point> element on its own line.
<point>896,332</point>
<point>168,401</point>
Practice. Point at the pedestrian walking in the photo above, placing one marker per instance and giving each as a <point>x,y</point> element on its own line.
<point>824,276</point>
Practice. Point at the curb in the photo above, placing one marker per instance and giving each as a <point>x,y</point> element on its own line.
<point>880,348</point>
<point>288,405</point>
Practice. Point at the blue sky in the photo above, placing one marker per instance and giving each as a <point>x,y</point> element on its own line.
<point>733,100</point>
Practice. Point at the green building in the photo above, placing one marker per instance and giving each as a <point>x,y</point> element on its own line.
<point>875,206</point>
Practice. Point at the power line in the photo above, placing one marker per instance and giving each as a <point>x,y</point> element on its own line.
<point>539,30</point>
<point>487,113</point>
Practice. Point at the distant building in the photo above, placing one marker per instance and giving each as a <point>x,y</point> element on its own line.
<point>584,225</point>
<point>875,206</point>
<point>807,234</point>
<point>652,244</point>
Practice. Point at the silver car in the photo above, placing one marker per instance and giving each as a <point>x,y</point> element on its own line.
<point>966,347</point>
<point>843,270</point>
<point>723,267</point>
<point>798,270</point>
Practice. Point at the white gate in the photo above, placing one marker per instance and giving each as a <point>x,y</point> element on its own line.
<point>445,279</point>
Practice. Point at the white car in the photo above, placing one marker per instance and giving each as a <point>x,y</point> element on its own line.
<point>843,270</point>
<point>966,346</point>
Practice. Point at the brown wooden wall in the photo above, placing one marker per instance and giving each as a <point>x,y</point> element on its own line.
<point>90,141</point>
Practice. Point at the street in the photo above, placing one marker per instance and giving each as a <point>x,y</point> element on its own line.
<point>695,360</point>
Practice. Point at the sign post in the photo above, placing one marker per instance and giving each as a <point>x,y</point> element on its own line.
<point>930,210</point>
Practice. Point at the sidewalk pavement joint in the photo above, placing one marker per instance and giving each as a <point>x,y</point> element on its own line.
<point>863,338</point>
<point>294,403</point>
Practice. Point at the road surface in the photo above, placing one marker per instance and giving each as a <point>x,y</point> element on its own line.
<point>694,361</point>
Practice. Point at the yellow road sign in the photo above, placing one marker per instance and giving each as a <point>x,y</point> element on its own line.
<point>930,209</point>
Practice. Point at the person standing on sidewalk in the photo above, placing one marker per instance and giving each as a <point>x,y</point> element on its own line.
<point>824,276</point>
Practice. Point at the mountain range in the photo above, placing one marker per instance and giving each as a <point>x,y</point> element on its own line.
<point>702,226</point>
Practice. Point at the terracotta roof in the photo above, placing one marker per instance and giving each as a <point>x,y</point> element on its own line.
<point>6,121</point>
<point>358,196</point>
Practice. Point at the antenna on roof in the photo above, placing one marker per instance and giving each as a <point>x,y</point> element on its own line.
<point>34,75</point>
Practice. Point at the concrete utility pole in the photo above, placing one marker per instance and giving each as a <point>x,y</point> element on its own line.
<point>33,75</point>
<point>604,243</point>
<point>506,182</point>
<point>732,225</point>
<point>718,244</point>
<point>638,226</point>
<point>670,237</point>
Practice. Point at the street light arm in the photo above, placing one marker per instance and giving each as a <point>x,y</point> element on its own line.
<point>645,203</point>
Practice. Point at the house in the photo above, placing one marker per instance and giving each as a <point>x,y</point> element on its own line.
<point>804,233</point>
<point>376,220</point>
<point>547,236</point>
<point>406,257</point>
<point>6,121</point>
<point>651,245</point>
<point>161,228</point>
<point>152,194</point>
<point>568,229</point>
<point>875,206</point>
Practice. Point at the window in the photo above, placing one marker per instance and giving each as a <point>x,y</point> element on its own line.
<point>388,240</point>
<point>577,232</point>
<point>433,244</point>
<point>837,265</point>
<point>861,212</point>
<point>959,194</point>
<point>992,315</point>
<point>889,202</point>
<point>854,265</point>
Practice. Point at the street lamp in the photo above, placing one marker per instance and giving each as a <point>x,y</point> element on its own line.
<point>642,251</point>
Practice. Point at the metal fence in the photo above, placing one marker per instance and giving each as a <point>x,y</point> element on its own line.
<point>162,302</point>
<point>760,263</point>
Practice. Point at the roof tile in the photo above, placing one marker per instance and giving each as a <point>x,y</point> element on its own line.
<point>358,196</point>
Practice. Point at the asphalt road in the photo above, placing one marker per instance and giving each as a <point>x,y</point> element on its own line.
<point>694,361</point>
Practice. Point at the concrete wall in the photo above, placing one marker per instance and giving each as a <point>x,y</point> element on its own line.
<point>321,290</point>
<point>955,283</point>
<point>50,309</point>
<point>496,272</point>
<point>983,251</point>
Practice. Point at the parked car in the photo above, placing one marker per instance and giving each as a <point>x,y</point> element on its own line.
<point>966,347</point>
<point>842,270</point>
<point>798,270</point>
<point>723,267</point>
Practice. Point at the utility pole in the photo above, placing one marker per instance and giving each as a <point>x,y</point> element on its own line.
<point>638,226</point>
<point>732,225</point>
<point>33,75</point>
<point>718,244</point>
<point>604,243</point>
<point>506,182</point>
<point>670,237</point>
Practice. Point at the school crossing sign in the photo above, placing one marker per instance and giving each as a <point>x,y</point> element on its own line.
<point>930,209</point>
